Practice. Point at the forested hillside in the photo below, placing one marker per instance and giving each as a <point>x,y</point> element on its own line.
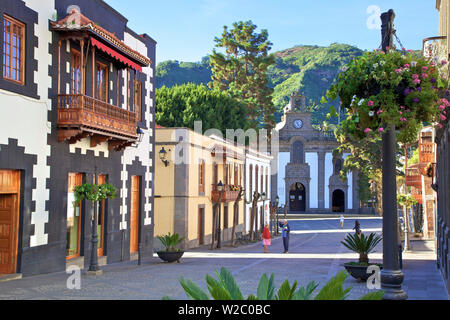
<point>307,69</point>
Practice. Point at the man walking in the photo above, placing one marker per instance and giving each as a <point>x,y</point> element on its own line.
<point>285,234</point>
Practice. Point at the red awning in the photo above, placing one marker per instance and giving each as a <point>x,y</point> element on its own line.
<point>113,53</point>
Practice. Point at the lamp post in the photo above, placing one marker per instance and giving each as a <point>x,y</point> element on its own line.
<point>93,265</point>
<point>220,189</point>
<point>277,200</point>
<point>263,198</point>
<point>391,275</point>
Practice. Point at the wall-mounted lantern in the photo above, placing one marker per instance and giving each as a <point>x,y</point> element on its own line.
<point>163,157</point>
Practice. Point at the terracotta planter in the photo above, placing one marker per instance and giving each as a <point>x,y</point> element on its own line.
<point>170,256</point>
<point>358,272</point>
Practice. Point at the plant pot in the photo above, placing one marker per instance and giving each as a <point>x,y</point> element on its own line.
<point>359,272</point>
<point>170,256</point>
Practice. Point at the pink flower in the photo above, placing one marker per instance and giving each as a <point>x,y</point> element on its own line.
<point>371,103</point>
<point>381,130</point>
<point>443,117</point>
<point>416,81</point>
<point>379,111</point>
<point>444,62</point>
<point>424,75</point>
<point>440,126</point>
<point>367,130</point>
<point>442,107</point>
<point>402,107</point>
<point>407,65</point>
<point>424,68</point>
<point>400,112</point>
<point>398,70</point>
<point>415,76</point>
<point>403,119</point>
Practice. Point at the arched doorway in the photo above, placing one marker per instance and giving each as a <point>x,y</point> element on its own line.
<point>338,201</point>
<point>297,198</point>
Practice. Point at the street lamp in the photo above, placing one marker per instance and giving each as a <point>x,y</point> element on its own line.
<point>163,156</point>
<point>263,198</point>
<point>93,264</point>
<point>220,189</point>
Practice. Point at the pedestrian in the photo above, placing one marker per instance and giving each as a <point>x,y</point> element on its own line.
<point>357,228</point>
<point>266,238</point>
<point>285,234</point>
<point>341,221</point>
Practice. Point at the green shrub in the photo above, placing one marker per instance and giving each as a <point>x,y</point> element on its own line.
<point>170,241</point>
<point>226,288</point>
<point>362,245</point>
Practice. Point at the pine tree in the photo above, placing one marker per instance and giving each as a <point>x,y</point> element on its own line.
<point>242,70</point>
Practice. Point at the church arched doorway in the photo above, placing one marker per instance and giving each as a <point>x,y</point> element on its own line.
<point>297,198</point>
<point>338,201</point>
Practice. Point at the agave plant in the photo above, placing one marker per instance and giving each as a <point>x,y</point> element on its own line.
<point>226,288</point>
<point>362,245</point>
<point>170,241</point>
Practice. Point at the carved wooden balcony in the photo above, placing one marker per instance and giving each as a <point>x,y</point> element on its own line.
<point>80,116</point>
<point>229,194</point>
<point>413,178</point>
<point>426,153</point>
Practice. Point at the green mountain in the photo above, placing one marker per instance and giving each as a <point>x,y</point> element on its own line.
<point>170,73</point>
<point>307,69</point>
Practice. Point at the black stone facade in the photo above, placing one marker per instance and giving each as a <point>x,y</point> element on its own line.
<point>52,256</point>
<point>443,202</point>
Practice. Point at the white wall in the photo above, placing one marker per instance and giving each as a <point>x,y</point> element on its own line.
<point>312,159</point>
<point>263,165</point>
<point>283,159</point>
<point>350,185</point>
<point>328,174</point>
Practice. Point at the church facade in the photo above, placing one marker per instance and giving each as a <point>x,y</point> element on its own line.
<point>305,175</point>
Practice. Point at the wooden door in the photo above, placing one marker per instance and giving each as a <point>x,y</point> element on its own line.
<point>201,226</point>
<point>9,220</point>
<point>134,213</point>
<point>101,220</point>
<point>73,217</point>
<point>8,230</point>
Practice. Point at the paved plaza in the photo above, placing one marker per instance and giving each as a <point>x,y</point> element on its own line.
<point>315,253</point>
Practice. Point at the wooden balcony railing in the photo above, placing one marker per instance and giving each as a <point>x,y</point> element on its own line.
<point>229,194</point>
<point>413,178</point>
<point>80,116</point>
<point>426,153</point>
<point>435,47</point>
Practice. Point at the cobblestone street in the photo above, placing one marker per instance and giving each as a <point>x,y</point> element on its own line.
<point>315,254</point>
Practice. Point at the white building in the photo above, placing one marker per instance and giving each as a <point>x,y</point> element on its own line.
<point>257,178</point>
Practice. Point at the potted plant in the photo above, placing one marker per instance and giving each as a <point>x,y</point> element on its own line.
<point>171,254</point>
<point>363,246</point>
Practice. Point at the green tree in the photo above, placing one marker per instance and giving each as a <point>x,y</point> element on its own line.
<point>181,106</point>
<point>242,70</point>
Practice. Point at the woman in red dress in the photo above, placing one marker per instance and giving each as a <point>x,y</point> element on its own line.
<point>266,238</point>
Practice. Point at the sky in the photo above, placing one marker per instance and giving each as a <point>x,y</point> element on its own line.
<point>185,29</point>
